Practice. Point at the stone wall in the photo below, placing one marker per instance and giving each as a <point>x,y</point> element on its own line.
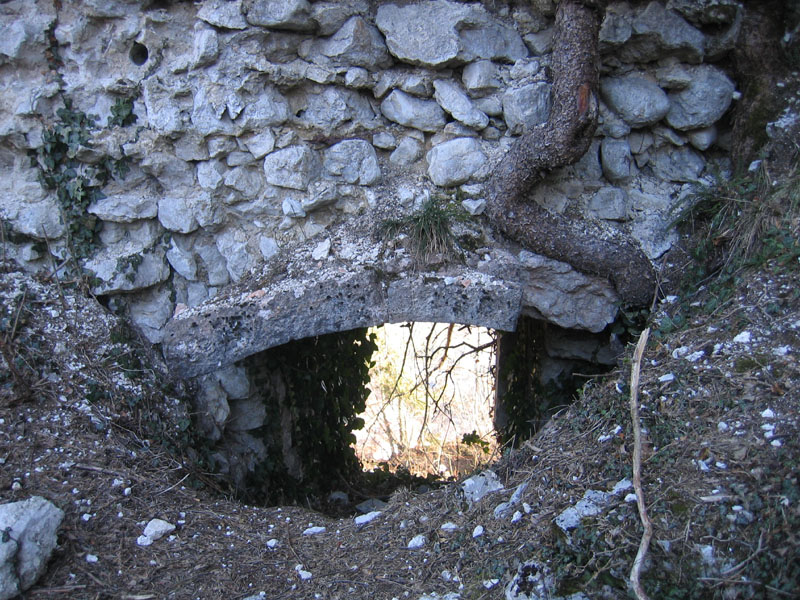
<point>272,135</point>
<point>261,123</point>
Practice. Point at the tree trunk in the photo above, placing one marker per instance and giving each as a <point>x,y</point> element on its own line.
<point>562,141</point>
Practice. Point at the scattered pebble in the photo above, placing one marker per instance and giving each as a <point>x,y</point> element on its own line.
<point>743,338</point>
<point>418,541</point>
<point>272,544</point>
<point>680,352</point>
<point>364,519</point>
<point>768,413</point>
<point>449,526</point>
<point>314,530</point>
<point>666,378</point>
<point>695,356</point>
<point>478,531</point>
<point>722,426</point>
<point>158,528</point>
<point>91,558</point>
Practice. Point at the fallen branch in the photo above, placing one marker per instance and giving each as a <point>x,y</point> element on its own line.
<point>636,584</point>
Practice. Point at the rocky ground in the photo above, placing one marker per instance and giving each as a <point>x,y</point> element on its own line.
<point>90,421</point>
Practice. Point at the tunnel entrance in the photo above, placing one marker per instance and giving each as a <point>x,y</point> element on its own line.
<point>358,413</point>
<point>430,411</point>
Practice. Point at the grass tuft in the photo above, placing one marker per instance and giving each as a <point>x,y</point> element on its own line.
<point>428,229</point>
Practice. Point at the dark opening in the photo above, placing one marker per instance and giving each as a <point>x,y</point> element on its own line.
<point>138,54</point>
<point>314,396</point>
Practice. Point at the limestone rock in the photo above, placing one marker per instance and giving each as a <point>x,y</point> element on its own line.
<point>176,213</point>
<point>540,42</point>
<point>225,14</point>
<point>246,415</point>
<point>557,293</point>
<point>208,114</point>
<point>330,16</point>
<point>358,78</point>
<point>232,244</point>
<point>384,140</point>
<point>215,264</point>
<point>279,14</point>
<point>655,233</point>
<point>703,102</point>
<point>615,30</point>
<point>38,220</point>
<point>32,527</point>
<point>209,174</point>
<point>162,111</point>
<point>440,33</point>
<point>260,144</point>
<point>206,45</point>
<point>425,115</point>
<point>610,124</point>
<point>480,77</point>
<point>702,139</point>
<point>452,99</point>
<point>615,156</point>
<point>294,167</point>
<point>408,151</point>
<point>333,109</point>
<point>353,161</point>
<point>358,44</point>
<point>127,267</point>
<point>706,12</point>
<point>639,101</point>
<point>293,208</point>
<point>609,203</point>
<point>454,162</point>
<point>267,108</point>
<point>526,107</point>
<point>268,246</point>
<point>140,234</point>
<point>680,164</point>
<point>491,105</point>
<point>211,404</point>
<point>182,259</point>
<point>658,33</point>
<point>474,207</point>
<point>247,181</point>
<point>150,310</point>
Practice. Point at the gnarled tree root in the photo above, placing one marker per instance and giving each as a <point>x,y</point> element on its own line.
<point>562,141</point>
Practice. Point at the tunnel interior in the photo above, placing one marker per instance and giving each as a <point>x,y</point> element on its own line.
<point>352,416</point>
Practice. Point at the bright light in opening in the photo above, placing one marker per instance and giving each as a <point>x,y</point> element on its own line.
<point>432,384</point>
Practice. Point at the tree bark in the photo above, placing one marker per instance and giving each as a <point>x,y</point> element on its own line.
<point>562,141</point>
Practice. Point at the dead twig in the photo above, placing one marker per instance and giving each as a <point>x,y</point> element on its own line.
<point>636,569</point>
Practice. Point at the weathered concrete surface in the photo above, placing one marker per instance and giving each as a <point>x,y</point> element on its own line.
<point>219,334</point>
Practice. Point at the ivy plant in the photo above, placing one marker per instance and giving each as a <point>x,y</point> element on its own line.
<point>325,380</point>
<point>76,182</point>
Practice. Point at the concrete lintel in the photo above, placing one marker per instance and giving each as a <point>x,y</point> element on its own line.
<point>220,333</point>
